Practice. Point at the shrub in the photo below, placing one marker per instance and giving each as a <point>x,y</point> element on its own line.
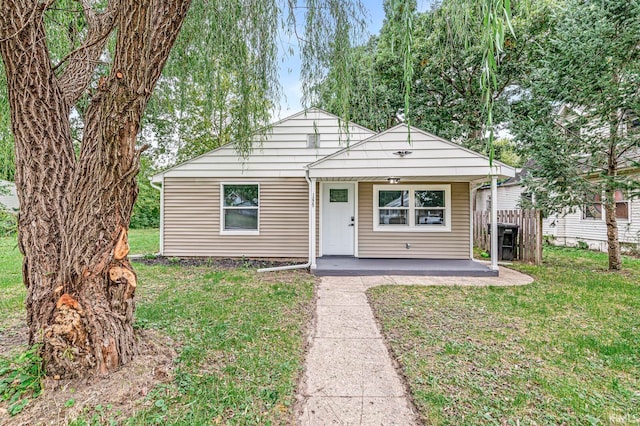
<point>8,223</point>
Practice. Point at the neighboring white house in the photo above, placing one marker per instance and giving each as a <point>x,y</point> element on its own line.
<point>306,191</point>
<point>8,196</point>
<point>586,225</point>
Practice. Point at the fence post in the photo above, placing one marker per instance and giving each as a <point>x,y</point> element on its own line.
<point>538,237</point>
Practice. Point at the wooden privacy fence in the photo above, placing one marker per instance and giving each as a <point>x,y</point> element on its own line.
<point>529,243</point>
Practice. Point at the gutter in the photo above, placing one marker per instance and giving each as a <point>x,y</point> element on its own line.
<point>311,240</point>
<point>153,185</point>
<point>160,189</point>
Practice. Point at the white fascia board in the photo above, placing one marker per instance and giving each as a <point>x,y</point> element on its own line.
<point>473,172</point>
<point>223,174</point>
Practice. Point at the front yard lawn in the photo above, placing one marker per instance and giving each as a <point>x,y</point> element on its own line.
<point>563,350</point>
<point>239,337</point>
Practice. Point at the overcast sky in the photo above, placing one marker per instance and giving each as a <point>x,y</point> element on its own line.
<point>290,67</point>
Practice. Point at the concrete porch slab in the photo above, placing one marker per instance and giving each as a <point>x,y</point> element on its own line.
<point>352,266</point>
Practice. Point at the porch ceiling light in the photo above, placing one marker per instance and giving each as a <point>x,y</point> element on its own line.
<point>393,180</point>
<point>401,154</point>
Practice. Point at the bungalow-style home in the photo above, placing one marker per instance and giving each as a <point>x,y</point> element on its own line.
<point>8,196</point>
<point>309,190</point>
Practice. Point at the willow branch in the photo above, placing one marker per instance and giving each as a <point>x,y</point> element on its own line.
<point>32,15</point>
<point>82,61</point>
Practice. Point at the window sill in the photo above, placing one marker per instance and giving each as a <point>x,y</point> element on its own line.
<point>408,229</point>
<point>239,232</point>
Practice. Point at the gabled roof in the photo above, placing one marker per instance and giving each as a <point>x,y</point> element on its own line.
<point>279,151</point>
<point>430,156</point>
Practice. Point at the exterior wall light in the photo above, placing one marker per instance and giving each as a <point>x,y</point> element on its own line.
<point>393,180</point>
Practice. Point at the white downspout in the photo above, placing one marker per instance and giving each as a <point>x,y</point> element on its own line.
<point>161,189</point>
<point>312,228</point>
<point>494,223</point>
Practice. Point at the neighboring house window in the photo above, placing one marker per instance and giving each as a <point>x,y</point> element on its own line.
<point>412,208</point>
<point>594,209</point>
<point>240,208</point>
<point>313,140</point>
<point>622,205</point>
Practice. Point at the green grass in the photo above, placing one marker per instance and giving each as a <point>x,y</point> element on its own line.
<point>144,241</point>
<point>239,336</point>
<point>13,292</point>
<point>241,342</point>
<point>563,350</point>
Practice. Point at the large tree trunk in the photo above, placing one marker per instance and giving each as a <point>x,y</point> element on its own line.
<point>75,212</point>
<point>613,244</point>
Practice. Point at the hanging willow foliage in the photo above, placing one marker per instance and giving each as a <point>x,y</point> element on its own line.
<point>223,68</point>
<point>461,32</point>
<point>497,20</point>
<point>402,13</point>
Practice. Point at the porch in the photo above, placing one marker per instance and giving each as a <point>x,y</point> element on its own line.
<point>352,266</point>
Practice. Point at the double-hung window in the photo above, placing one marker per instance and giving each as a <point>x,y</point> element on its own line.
<point>622,205</point>
<point>595,209</point>
<point>240,208</point>
<point>412,208</point>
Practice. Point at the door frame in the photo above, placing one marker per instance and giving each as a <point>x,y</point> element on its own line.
<point>355,213</point>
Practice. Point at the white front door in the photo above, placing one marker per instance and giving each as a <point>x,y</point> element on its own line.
<point>338,218</point>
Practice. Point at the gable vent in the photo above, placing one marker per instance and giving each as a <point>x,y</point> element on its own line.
<point>313,140</point>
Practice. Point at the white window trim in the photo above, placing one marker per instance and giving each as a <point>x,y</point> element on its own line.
<point>411,227</point>
<point>231,231</point>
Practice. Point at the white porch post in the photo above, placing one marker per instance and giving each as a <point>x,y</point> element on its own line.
<point>312,223</point>
<point>494,223</point>
<point>472,193</point>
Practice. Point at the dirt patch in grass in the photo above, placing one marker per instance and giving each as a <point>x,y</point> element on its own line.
<point>97,400</point>
<point>13,337</point>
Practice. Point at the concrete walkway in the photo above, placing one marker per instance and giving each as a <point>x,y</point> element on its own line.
<point>350,378</point>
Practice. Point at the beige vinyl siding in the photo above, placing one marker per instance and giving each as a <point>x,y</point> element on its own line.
<point>424,245</point>
<point>192,219</point>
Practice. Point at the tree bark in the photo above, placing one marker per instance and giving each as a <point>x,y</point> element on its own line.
<point>75,211</point>
<point>613,244</point>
